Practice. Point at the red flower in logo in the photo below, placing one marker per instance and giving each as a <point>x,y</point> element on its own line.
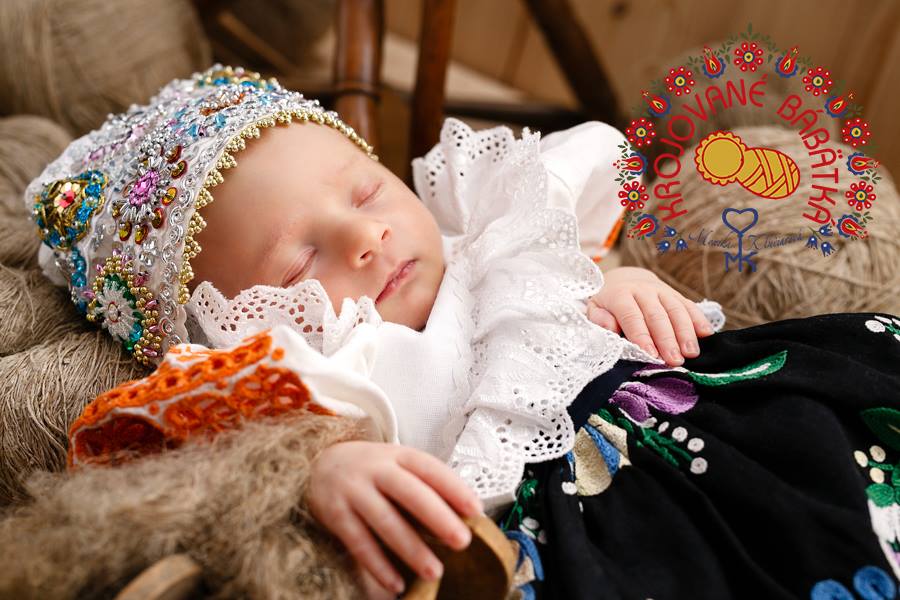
<point>749,56</point>
<point>859,197</point>
<point>640,132</point>
<point>633,195</point>
<point>818,81</point>
<point>856,132</point>
<point>680,81</point>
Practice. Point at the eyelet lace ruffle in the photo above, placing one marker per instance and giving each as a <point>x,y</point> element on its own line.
<point>534,348</point>
<point>220,322</point>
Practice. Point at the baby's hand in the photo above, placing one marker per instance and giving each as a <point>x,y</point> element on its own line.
<point>634,300</point>
<point>353,488</point>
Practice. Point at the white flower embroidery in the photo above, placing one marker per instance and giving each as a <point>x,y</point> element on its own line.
<point>116,310</point>
<point>875,326</point>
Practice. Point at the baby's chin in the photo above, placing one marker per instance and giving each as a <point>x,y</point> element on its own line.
<point>412,316</point>
<point>412,311</point>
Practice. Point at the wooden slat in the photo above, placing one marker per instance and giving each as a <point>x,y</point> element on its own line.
<point>435,36</point>
<point>357,64</point>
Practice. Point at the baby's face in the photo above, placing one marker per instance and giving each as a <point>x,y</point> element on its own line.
<point>304,202</point>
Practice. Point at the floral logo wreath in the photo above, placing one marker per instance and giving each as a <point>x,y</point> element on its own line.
<point>846,186</point>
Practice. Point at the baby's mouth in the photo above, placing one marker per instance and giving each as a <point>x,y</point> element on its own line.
<point>401,277</point>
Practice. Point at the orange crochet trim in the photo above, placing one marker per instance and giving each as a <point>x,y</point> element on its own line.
<point>162,410</point>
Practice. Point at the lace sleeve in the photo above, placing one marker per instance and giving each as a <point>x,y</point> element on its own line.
<point>581,173</point>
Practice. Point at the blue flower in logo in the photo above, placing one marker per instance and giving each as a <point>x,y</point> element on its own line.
<point>827,249</point>
<point>812,242</point>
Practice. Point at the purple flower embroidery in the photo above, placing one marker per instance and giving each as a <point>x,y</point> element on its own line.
<point>144,188</point>
<point>667,394</point>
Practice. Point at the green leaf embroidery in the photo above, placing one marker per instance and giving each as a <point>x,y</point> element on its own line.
<point>895,473</point>
<point>884,423</point>
<point>760,368</point>
<point>881,494</point>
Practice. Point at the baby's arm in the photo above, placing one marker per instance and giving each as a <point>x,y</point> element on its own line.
<point>354,488</point>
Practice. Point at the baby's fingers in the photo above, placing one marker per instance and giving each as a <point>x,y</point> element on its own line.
<point>701,323</point>
<point>362,545</point>
<point>426,506</point>
<point>630,317</point>
<point>602,317</point>
<point>443,480</point>
<point>660,326</point>
<point>394,531</point>
<point>681,321</point>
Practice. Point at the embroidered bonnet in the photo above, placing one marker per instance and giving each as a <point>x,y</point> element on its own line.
<point>118,210</point>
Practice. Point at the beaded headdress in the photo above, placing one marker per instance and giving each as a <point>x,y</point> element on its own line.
<point>118,210</point>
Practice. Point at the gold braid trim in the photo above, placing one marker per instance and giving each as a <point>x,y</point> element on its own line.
<point>228,161</point>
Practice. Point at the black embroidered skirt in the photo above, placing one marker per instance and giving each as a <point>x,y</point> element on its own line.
<point>768,467</point>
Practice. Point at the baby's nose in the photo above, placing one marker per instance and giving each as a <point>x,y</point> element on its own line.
<point>368,242</point>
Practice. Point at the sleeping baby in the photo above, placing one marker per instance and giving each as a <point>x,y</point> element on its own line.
<point>459,320</point>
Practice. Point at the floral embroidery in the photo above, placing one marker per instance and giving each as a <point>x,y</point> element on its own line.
<point>882,324</point>
<point>600,446</point>
<point>191,393</point>
<point>884,472</point>
<point>870,582</point>
<point>666,394</point>
<point>600,451</point>
<point>668,447</point>
<point>149,191</point>
<point>525,507</point>
<point>522,527</point>
<point>64,208</point>
<point>755,370</point>
<point>122,304</point>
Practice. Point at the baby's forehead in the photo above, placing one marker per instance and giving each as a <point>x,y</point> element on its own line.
<point>315,151</point>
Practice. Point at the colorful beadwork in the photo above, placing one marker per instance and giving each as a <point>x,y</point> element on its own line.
<point>148,193</point>
<point>64,208</point>
<point>125,307</point>
<point>78,282</point>
<point>139,186</point>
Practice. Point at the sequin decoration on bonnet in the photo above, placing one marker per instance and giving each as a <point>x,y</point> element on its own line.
<point>118,210</point>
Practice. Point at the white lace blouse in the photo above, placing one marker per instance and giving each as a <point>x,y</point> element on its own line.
<point>508,345</point>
